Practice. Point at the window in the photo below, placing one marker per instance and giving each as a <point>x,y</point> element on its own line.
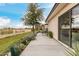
<point>75,25</point>
<point>64,24</point>
<point>69,27</point>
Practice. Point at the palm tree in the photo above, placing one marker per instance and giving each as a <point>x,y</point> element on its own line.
<point>33,15</point>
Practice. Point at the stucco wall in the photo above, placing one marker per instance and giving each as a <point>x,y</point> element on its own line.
<point>53,23</point>
<point>53,26</point>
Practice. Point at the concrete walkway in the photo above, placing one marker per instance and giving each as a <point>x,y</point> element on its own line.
<point>44,46</point>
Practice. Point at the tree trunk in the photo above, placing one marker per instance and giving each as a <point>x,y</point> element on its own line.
<point>33,29</point>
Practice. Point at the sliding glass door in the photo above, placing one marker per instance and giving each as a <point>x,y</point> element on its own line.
<point>69,27</point>
<point>75,26</point>
<point>65,28</point>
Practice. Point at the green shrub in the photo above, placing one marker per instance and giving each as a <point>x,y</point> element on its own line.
<point>50,34</point>
<point>18,51</point>
<point>22,47</point>
<point>24,42</point>
<point>15,51</point>
<point>31,37</point>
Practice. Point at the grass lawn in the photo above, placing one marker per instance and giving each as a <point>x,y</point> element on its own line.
<point>5,43</point>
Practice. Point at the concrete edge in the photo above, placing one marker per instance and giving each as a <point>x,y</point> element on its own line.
<point>63,44</point>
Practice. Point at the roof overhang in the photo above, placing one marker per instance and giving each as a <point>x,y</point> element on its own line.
<point>55,10</point>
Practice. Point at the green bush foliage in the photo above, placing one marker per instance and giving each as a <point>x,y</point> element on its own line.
<point>15,51</point>
<point>30,37</point>
<point>24,42</point>
<point>50,34</point>
<point>22,47</point>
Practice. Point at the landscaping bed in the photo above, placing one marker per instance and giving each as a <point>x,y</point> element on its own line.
<point>7,42</point>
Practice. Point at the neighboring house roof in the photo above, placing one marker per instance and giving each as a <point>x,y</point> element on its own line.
<point>54,7</point>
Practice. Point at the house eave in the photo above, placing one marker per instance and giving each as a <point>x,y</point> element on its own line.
<point>54,7</point>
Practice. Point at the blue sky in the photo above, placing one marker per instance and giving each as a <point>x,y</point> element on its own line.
<point>11,14</point>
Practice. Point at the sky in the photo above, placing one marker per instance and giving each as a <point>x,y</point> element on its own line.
<point>11,13</point>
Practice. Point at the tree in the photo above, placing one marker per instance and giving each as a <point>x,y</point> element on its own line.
<point>33,15</point>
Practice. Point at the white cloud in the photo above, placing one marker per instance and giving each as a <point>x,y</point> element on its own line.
<point>7,22</point>
<point>4,22</point>
<point>20,25</point>
<point>76,23</point>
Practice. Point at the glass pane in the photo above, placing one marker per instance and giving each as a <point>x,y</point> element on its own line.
<point>75,26</point>
<point>64,22</point>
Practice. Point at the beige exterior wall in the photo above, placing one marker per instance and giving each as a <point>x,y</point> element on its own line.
<point>53,26</point>
<point>53,23</point>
